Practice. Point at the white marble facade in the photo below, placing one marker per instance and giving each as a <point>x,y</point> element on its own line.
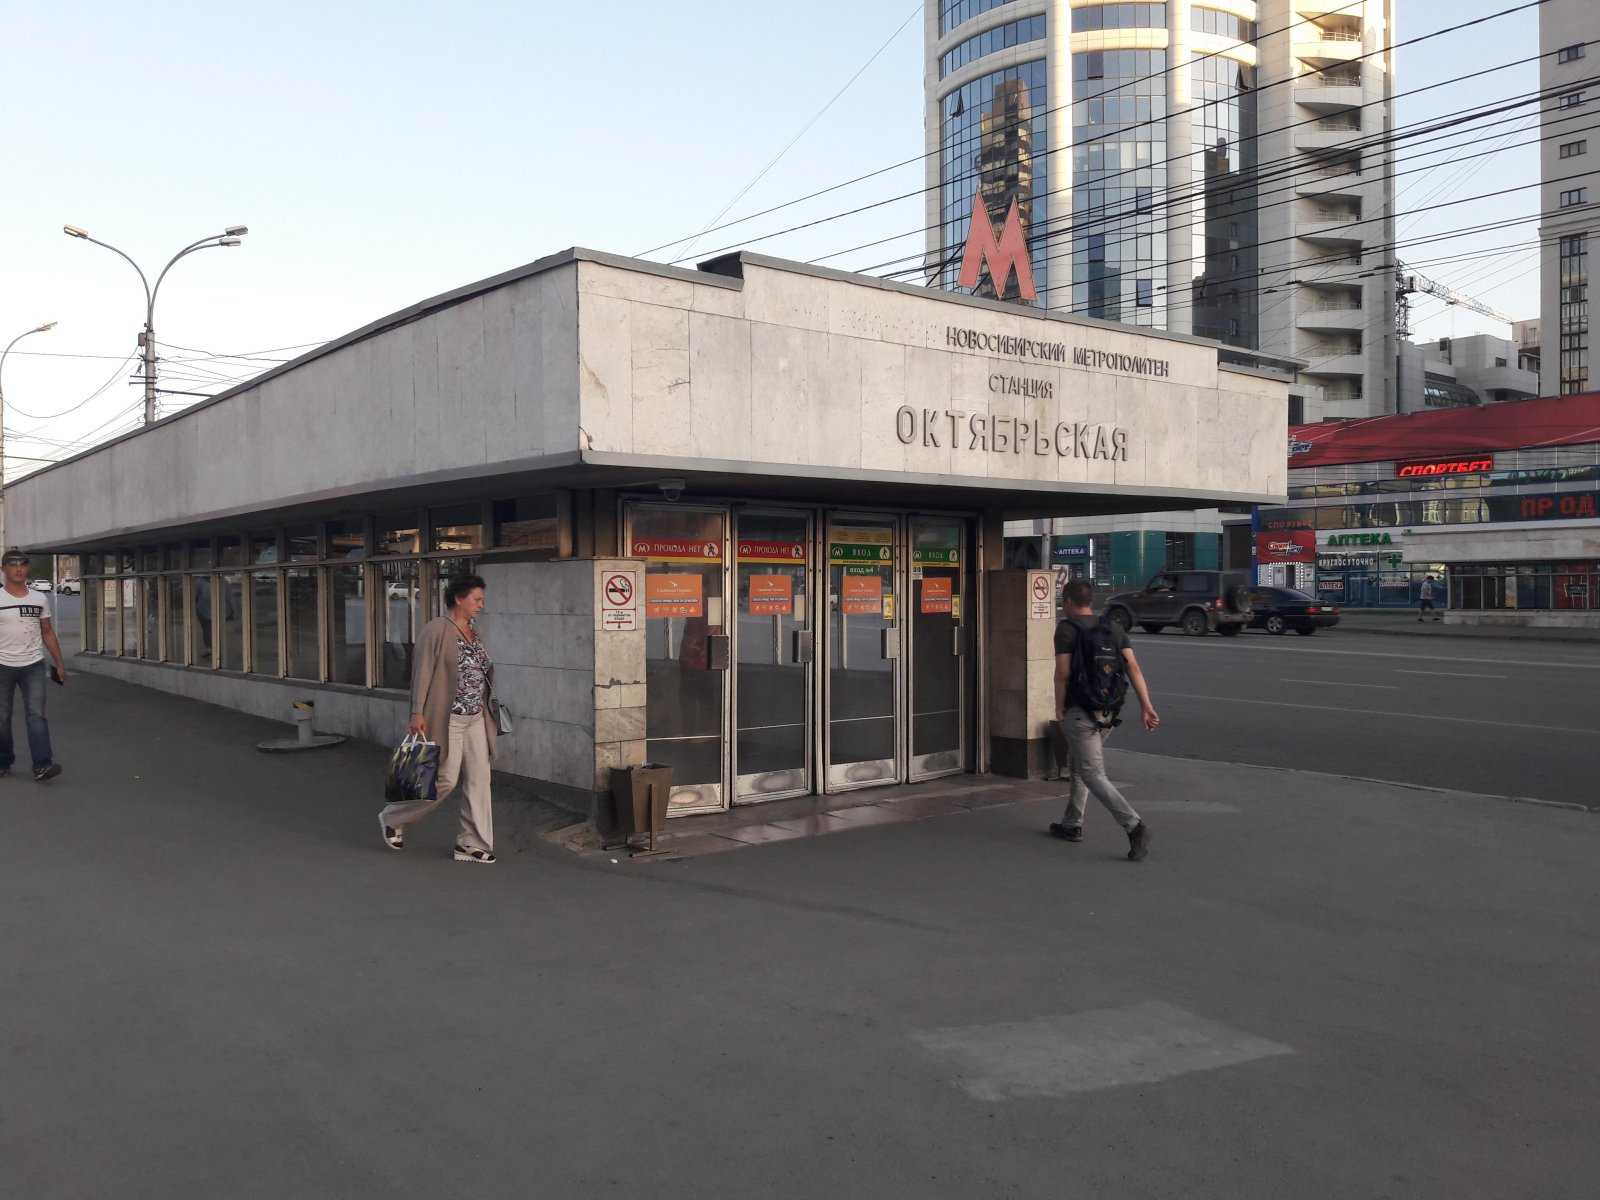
<point>797,371</point>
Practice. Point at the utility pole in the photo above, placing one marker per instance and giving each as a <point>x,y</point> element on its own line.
<point>45,328</point>
<point>233,235</point>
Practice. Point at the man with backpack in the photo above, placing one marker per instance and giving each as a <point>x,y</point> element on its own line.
<point>1094,665</point>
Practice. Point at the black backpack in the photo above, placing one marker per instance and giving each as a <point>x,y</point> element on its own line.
<point>1099,680</point>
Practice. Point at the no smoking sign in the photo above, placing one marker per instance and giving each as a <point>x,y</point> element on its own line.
<point>1041,596</point>
<point>619,600</point>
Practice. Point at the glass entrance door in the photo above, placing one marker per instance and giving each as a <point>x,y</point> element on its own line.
<point>773,645</point>
<point>862,738</point>
<point>935,614</point>
<point>685,648</point>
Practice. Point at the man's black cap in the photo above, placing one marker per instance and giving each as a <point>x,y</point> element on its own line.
<point>13,557</point>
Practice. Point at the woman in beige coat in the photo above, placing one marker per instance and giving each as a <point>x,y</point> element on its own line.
<point>452,703</point>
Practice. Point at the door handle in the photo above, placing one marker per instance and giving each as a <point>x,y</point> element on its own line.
<point>957,649</point>
<point>890,643</point>
<point>717,652</point>
<point>802,646</point>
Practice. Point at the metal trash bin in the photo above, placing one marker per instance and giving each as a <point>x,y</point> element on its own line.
<point>639,797</point>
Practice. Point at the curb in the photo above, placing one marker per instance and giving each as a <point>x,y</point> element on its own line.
<point>1488,633</point>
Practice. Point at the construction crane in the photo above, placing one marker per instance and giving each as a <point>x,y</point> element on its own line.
<point>1408,282</point>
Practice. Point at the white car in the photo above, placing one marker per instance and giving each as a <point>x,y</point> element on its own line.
<point>39,585</point>
<point>69,587</point>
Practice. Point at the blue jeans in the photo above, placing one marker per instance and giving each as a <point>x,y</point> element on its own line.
<point>32,680</point>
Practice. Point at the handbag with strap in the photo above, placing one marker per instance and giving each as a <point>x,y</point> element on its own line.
<point>413,771</point>
<point>502,719</point>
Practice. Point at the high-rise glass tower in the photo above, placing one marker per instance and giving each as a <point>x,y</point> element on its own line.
<point>1215,168</point>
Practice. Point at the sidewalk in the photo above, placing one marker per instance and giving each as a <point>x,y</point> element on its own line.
<point>1404,621</point>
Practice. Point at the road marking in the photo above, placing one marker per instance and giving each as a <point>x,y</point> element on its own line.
<point>1374,712</point>
<point>1235,645</point>
<point>1451,674</point>
<point>1388,687</point>
<point>1087,1051</point>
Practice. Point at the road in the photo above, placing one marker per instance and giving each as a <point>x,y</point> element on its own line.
<point>1506,718</point>
<point>219,984</point>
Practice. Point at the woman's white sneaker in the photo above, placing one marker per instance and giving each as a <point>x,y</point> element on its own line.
<point>472,856</point>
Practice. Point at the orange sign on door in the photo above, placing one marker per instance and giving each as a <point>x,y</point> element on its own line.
<point>673,596</point>
<point>862,594</point>
<point>937,594</point>
<point>771,595</point>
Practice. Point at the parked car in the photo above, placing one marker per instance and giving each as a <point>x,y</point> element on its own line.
<point>39,585</point>
<point>69,587</point>
<point>1198,602</point>
<point>1278,610</point>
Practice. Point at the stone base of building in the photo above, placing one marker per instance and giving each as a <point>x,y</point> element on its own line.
<point>1525,618</point>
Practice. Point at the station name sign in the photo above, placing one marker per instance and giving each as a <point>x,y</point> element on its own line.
<point>1005,344</point>
<point>1428,467</point>
<point>941,427</point>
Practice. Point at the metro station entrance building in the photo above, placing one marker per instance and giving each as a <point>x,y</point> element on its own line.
<point>746,520</point>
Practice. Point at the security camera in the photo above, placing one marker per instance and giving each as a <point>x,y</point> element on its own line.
<point>671,489</point>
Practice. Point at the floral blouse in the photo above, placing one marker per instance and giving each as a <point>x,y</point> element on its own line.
<point>472,679</point>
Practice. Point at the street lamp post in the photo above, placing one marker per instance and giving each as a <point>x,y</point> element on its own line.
<point>45,328</point>
<point>231,236</point>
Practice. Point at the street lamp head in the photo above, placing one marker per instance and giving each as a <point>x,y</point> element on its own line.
<point>46,327</point>
<point>230,241</point>
<point>236,230</point>
<point>74,231</point>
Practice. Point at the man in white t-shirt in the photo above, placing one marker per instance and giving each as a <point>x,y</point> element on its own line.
<point>26,633</point>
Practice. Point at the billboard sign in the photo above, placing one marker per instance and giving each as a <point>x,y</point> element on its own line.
<point>1296,545</point>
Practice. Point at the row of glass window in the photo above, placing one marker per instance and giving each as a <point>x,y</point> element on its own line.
<point>1119,16</point>
<point>1001,37</point>
<point>1393,514</point>
<point>958,12</point>
<point>354,623</point>
<point>1496,586</point>
<point>1572,474</point>
<point>1573,365</point>
<point>1223,24</point>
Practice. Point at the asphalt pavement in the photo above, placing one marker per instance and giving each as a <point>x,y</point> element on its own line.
<point>220,984</point>
<point>1505,718</point>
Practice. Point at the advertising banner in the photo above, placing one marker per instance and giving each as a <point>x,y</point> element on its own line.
<point>937,594</point>
<point>771,552</point>
<point>1296,545</point>
<point>771,595</point>
<point>862,594</point>
<point>678,549</point>
<point>673,595</point>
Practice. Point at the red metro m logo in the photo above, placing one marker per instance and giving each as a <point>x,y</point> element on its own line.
<point>1003,256</point>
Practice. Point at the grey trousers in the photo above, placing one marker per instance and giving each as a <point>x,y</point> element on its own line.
<point>1086,772</point>
<point>466,763</point>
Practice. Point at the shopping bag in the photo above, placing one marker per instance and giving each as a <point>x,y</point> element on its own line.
<point>413,771</point>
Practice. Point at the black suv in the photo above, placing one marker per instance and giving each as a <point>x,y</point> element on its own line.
<point>1195,601</point>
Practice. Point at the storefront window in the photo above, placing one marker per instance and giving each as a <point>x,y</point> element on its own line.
<point>399,533</point>
<point>347,539</point>
<point>263,547</point>
<point>264,622</point>
<point>150,596</point>
<point>456,529</point>
<point>347,625</point>
<point>200,556</point>
<point>402,604</point>
<point>130,617</point>
<point>230,604</point>
<point>172,557</point>
<point>111,614</point>
<point>230,552</point>
<point>200,621</point>
<point>301,633</point>
<point>1534,586</point>
<point>172,585</point>
<point>300,543</point>
<point>89,637</point>
<point>150,558</point>
<point>527,523</point>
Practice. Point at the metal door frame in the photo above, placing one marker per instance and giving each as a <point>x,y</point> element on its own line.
<point>813,518</point>
<point>630,505</point>
<point>911,773</point>
<point>896,521</point>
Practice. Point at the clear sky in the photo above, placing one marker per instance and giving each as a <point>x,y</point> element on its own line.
<point>383,153</point>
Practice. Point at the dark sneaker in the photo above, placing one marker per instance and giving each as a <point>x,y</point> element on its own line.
<point>4,771</point>
<point>1138,842</point>
<point>1067,833</point>
<point>46,774</point>
<point>473,856</point>
<point>393,838</point>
